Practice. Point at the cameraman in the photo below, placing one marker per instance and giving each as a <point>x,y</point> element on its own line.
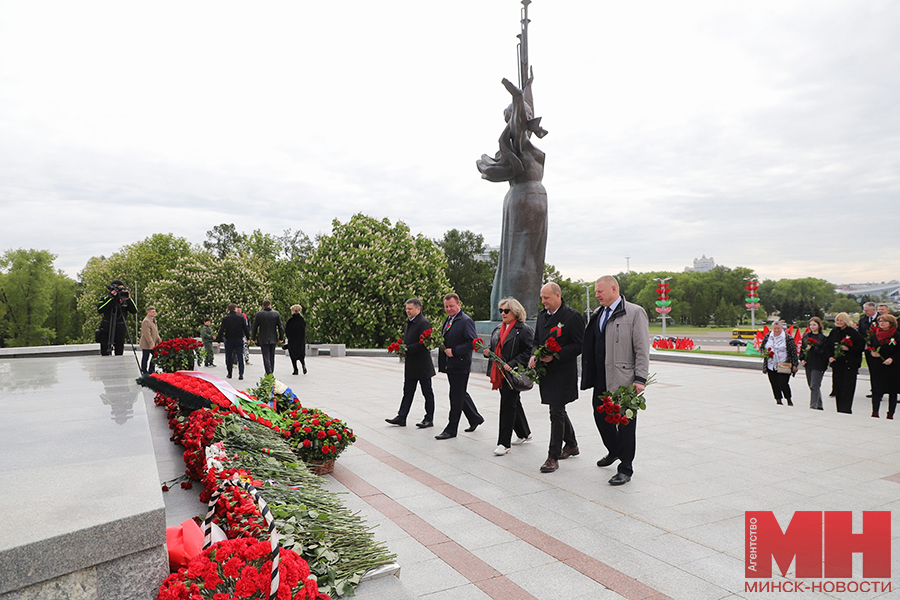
<point>114,308</point>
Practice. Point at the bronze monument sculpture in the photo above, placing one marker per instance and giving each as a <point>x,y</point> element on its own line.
<point>523,240</point>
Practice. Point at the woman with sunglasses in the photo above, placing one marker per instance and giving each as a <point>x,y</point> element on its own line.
<point>512,341</point>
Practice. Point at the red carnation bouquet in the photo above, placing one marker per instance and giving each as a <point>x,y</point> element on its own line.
<point>398,348</point>
<point>179,354</point>
<point>315,437</point>
<point>431,339</point>
<point>549,348</point>
<point>240,568</point>
<point>842,347</point>
<point>622,405</point>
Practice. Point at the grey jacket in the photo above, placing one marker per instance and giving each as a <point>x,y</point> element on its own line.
<point>627,348</point>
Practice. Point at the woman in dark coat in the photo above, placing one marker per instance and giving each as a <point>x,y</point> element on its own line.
<point>512,341</point>
<point>886,379</point>
<point>814,361</point>
<point>295,329</point>
<point>844,347</point>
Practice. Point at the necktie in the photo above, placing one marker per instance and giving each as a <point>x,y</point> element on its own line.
<point>603,318</point>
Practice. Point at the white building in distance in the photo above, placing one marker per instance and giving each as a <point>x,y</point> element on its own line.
<point>702,265</point>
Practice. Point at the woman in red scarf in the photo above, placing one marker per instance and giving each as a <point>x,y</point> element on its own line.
<point>886,378</point>
<point>512,341</point>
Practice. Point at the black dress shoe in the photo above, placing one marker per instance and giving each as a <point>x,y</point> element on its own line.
<point>425,424</point>
<point>550,465</point>
<point>472,428</point>
<point>444,436</point>
<point>396,421</point>
<point>607,460</point>
<point>620,479</point>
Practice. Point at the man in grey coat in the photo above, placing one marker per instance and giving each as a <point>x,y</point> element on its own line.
<point>616,352</point>
<point>270,331</point>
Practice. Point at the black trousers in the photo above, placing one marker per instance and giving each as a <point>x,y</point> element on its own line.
<point>461,402</point>
<point>409,390</point>
<point>147,356</point>
<point>844,388</point>
<point>512,417</point>
<point>268,357</point>
<point>118,340</point>
<point>781,384</point>
<point>620,440</point>
<point>561,430</point>
<point>234,349</point>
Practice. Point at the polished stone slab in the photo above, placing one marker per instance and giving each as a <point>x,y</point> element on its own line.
<point>78,475</point>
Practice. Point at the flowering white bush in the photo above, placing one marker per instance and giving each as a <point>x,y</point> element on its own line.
<point>360,276</point>
<point>201,286</point>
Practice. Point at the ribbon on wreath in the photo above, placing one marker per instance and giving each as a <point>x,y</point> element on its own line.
<point>263,510</point>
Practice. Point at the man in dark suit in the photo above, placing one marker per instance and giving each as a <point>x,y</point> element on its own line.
<point>456,361</point>
<point>866,322</point>
<point>232,331</point>
<point>616,353</point>
<point>559,385</point>
<point>267,324</point>
<point>418,368</point>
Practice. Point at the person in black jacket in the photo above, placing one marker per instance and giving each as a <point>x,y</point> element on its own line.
<point>295,329</point>
<point>559,385</point>
<point>886,352</point>
<point>267,325</point>
<point>233,330</point>
<point>456,361</point>
<point>845,341</point>
<point>114,307</point>
<point>418,368</point>
<point>512,341</point>
<point>814,361</point>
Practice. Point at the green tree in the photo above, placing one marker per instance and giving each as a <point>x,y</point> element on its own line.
<point>203,285</point>
<point>138,265</point>
<point>26,286</point>
<point>360,276</point>
<point>471,277</point>
<point>575,293</point>
<point>845,304</point>
<point>63,320</point>
<point>223,239</point>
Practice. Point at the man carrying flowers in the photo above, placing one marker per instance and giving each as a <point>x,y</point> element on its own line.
<point>559,382</point>
<point>616,353</point>
<point>418,369</point>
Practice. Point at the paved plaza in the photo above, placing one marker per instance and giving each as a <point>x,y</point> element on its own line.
<point>466,524</point>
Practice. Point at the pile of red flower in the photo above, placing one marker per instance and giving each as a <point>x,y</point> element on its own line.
<point>314,436</point>
<point>685,343</point>
<point>240,568</point>
<point>177,354</point>
<point>622,405</point>
<point>398,347</point>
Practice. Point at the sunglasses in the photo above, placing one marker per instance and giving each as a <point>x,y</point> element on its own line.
<point>505,310</point>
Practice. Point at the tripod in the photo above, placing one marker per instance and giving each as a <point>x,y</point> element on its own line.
<point>111,345</point>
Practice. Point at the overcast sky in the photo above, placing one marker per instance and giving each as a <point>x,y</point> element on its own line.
<point>763,134</point>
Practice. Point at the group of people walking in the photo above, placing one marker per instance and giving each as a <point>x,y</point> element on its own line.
<point>842,350</point>
<point>267,332</point>
<point>614,349</point>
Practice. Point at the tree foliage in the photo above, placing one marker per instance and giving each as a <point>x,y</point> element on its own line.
<point>28,290</point>
<point>138,265</point>
<point>200,286</point>
<point>471,277</point>
<point>360,276</point>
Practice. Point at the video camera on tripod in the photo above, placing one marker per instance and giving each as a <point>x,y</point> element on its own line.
<point>113,327</point>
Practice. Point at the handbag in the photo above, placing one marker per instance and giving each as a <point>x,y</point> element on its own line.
<point>517,381</point>
<point>784,368</point>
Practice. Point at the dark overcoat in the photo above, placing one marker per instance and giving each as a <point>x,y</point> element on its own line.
<point>295,329</point>
<point>418,359</point>
<point>560,384</point>
<point>267,327</point>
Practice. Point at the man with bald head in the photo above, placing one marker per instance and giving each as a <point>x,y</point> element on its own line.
<point>559,385</point>
<point>616,352</point>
